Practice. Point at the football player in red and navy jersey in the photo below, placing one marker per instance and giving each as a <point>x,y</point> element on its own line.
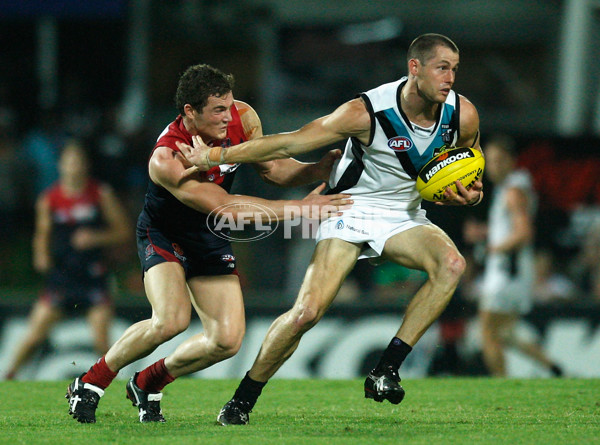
<point>75,219</point>
<point>187,260</point>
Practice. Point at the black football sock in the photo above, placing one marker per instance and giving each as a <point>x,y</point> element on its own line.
<point>394,355</point>
<point>556,370</point>
<point>249,390</point>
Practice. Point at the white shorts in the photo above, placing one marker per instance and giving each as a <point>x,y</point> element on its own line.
<point>503,292</point>
<point>370,225</point>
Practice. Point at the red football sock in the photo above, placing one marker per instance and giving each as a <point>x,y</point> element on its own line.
<point>154,378</point>
<point>100,374</point>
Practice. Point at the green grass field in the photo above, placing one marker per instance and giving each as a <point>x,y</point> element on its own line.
<point>435,411</point>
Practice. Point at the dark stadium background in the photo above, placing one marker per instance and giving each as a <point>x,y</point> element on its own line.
<point>107,70</point>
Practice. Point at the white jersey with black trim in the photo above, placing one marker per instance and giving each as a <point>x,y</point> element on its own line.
<point>500,227</point>
<point>500,223</point>
<point>383,172</point>
<point>509,276</point>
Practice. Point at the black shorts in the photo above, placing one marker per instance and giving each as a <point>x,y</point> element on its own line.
<point>196,257</point>
<point>80,300</point>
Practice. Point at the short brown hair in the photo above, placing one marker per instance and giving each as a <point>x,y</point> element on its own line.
<point>422,48</point>
<point>199,82</point>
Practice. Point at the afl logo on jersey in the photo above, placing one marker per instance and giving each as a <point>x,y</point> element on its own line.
<point>400,143</point>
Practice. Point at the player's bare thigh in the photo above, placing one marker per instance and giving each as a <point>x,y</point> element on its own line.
<point>423,247</point>
<point>167,292</point>
<point>332,261</point>
<point>219,303</point>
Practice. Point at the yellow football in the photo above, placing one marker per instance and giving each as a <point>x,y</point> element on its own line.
<point>462,164</point>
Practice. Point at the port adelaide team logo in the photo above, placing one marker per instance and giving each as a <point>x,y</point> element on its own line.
<point>400,143</point>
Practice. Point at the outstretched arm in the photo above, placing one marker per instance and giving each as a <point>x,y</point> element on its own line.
<point>349,120</point>
<point>167,169</point>
<point>284,172</point>
<point>292,173</point>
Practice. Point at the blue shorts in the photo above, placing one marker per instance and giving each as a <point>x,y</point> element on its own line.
<point>196,257</point>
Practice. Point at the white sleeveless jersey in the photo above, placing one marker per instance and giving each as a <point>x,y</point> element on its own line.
<point>500,224</point>
<point>383,173</point>
<point>509,277</point>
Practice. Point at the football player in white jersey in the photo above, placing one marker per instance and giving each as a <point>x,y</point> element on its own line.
<point>509,276</point>
<point>391,131</point>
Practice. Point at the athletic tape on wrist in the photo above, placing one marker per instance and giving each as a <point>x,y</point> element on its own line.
<point>215,156</point>
<point>478,200</point>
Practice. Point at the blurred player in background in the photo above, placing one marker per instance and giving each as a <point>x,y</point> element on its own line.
<point>187,260</point>
<point>391,132</point>
<point>76,218</point>
<point>509,276</point>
